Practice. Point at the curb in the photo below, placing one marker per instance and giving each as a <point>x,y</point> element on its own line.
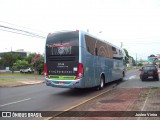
<point>19,83</point>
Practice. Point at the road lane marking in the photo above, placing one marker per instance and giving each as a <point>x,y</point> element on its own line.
<point>15,102</point>
<point>132,77</point>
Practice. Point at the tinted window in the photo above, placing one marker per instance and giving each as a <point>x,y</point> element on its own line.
<point>114,50</point>
<point>149,68</point>
<point>98,48</point>
<point>90,44</point>
<point>62,53</point>
<point>64,43</point>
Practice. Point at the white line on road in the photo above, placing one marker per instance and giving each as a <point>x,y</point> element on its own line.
<point>132,77</point>
<point>15,102</point>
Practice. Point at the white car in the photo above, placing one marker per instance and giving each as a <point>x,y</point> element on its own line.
<point>28,70</point>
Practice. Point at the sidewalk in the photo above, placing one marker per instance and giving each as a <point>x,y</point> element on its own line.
<point>120,99</point>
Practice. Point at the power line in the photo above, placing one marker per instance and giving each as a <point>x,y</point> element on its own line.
<point>22,31</point>
<point>18,33</point>
<point>23,27</point>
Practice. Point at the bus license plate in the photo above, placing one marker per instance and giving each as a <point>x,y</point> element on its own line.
<point>61,83</point>
<point>150,77</point>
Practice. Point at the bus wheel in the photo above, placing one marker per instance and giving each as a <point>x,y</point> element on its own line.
<point>123,75</point>
<point>101,86</point>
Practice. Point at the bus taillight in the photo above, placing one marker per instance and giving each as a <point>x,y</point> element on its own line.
<point>45,70</point>
<point>80,71</point>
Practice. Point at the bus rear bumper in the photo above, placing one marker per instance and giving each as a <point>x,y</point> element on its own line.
<point>64,83</point>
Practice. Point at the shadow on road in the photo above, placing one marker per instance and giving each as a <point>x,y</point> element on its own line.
<point>86,91</point>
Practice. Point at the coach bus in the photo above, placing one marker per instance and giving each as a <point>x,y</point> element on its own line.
<point>76,59</point>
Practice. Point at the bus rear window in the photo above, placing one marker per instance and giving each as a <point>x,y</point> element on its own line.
<point>63,44</point>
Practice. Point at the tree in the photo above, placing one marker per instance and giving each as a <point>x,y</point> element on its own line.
<point>38,63</point>
<point>133,61</point>
<point>127,55</point>
<point>8,59</point>
<point>30,57</point>
<point>140,64</point>
<point>21,64</point>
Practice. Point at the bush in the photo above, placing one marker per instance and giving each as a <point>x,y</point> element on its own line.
<point>140,64</point>
<point>20,64</point>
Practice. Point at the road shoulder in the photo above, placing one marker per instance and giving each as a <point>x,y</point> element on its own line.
<point>20,83</point>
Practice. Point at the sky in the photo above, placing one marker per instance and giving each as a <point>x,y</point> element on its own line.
<point>134,23</point>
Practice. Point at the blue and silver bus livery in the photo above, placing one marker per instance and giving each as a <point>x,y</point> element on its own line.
<point>76,59</point>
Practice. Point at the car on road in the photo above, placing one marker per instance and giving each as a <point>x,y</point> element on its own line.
<point>149,72</point>
<point>28,70</point>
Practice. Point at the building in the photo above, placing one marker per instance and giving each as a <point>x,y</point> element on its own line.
<point>21,53</point>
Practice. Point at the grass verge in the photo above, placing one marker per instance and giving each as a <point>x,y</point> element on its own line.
<point>19,74</point>
<point>8,80</point>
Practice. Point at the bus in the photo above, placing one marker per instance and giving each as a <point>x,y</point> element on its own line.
<point>76,59</point>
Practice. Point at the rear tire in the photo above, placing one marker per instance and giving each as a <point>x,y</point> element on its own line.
<point>123,75</point>
<point>142,79</point>
<point>157,78</point>
<point>101,86</point>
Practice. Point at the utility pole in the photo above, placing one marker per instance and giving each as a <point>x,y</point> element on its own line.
<point>136,60</point>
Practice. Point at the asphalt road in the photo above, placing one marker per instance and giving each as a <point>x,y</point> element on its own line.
<point>43,98</point>
<point>132,80</point>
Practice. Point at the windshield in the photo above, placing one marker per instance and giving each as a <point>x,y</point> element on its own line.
<point>147,68</point>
